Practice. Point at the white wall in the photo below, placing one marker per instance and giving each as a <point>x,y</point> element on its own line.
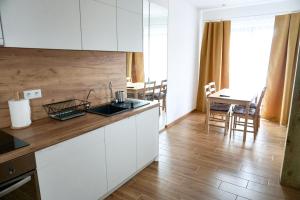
<point>183,51</point>
<point>249,11</point>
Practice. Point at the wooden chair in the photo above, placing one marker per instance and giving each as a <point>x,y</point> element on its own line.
<point>239,113</point>
<point>148,92</point>
<point>129,79</point>
<point>218,112</point>
<point>212,86</point>
<point>162,94</point>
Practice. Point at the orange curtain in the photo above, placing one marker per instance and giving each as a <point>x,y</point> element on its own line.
<point>282,66</point>
<point>214,58</point>
<point>135,66</point>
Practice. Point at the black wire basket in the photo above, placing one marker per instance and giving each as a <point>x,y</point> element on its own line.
<point>68,109</point>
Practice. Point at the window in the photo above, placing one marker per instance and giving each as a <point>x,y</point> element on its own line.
<point>249,53</point>
<point>155,41</point>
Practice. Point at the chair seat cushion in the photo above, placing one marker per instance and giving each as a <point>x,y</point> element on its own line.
<point>253,105</point>
<point>220,107</point>
<point>242,110</point>
<point>159,95</point>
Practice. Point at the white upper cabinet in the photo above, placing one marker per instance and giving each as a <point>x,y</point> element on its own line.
<point>109,2</point>
<point>107,25</point>
<point>98,23</point>
<point>130,31</point>
<point>53,24</point>
<point>131,5</point>
<point>74,169</point>
<point>120,140</point>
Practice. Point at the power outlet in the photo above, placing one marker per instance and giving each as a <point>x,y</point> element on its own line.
<point>32,94</point>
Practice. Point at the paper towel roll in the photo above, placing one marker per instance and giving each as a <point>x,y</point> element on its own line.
<point>20,114</point>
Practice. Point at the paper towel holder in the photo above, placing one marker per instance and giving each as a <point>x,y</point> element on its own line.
<point>15,105</point>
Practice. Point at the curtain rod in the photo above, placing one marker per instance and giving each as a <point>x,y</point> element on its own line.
<point>249,16</point>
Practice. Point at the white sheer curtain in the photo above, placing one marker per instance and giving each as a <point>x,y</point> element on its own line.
<point>249,53</point>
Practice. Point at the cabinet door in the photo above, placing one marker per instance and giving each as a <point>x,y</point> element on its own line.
<point>131,5</point>
<point>74,169</point>
<point>53,24</point>
<point>147,126</point>
<point>120,139</point>
<point>130,31</point>
<point>99,28</point>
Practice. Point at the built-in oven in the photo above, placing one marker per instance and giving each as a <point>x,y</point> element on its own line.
<point>18,179</point>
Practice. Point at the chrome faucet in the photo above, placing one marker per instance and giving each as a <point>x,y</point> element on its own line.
<point>90,91</point>
<point>111,92</point>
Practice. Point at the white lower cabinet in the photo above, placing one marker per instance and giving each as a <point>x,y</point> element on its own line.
<point>120,140</point>
<point>147,127</point>
<point>93,164</point>
<point>74,169</point>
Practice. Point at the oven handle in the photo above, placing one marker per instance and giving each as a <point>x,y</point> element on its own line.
<point>15,186</point>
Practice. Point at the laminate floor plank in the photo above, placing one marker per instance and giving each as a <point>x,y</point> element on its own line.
<point>196,165</point>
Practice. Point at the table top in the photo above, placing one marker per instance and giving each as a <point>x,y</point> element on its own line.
<point>228,95</point>
<point>135,86</point>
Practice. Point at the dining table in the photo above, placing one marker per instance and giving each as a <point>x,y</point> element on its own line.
<point>233,97</point>
<point>137,88</point>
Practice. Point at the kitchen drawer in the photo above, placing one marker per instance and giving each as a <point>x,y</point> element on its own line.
<point>17,167</point>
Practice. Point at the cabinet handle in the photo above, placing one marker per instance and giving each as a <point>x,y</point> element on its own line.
<point>15,186</point>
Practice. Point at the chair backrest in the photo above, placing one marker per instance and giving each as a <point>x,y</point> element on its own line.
<point>128,79</point>
<point>149,89</point>
<point>262,94</point>
<point>207,92</point>
<point>163,87</point>
<point>212,86</point>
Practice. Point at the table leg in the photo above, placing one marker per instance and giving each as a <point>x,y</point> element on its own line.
<point>207,116</point>
<point>135,94</point>
<point>246,122</point>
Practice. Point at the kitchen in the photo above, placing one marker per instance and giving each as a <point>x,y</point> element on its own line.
<point>71,129</point>
<point>58,58</point>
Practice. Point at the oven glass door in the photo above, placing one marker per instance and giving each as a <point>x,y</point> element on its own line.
<point>23,187</point>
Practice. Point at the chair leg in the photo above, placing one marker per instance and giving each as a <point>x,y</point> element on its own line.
<point>231,126</point>
<point>255,126</point>
<point>227,121</point>
<point>159,106</point>
<point>234,123</point>
<point>225,127</point>
<point>165,104</point>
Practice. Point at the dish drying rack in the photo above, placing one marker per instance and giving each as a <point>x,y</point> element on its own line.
<point>68,109</point>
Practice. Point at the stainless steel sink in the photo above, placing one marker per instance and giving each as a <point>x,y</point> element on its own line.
<point>107,110</point>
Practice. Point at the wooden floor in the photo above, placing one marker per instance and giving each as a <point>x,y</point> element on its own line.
<point>196,165</point>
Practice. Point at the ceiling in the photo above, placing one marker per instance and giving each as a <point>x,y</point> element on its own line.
<point>230,3</point>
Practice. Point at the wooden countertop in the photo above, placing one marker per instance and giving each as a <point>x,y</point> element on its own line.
<point>46,132</point>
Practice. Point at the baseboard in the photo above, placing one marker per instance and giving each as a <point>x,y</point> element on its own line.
<point>179,119</point>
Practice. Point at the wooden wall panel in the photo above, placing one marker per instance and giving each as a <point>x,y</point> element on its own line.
<point>290,175</point>
<point>60,74</point>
